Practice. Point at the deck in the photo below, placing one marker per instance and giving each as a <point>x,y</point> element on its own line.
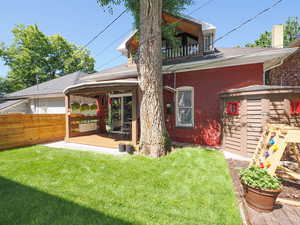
<point>100,140</point>
<point>283,214</point>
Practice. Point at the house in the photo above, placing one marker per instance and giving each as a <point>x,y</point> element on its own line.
<point>287,73</point>
<point>43,98</point>
<point>194,73</point>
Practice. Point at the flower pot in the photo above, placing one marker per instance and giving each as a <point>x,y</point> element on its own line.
<point>129,149</point>
<point>261,200</point>
<point>122,147</point>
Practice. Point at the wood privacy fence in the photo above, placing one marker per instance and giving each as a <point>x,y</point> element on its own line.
<point>18,130</point>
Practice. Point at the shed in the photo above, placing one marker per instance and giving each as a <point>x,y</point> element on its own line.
<point>246,111</point>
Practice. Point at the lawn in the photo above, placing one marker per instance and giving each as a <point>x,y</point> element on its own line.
<point>47,186</point>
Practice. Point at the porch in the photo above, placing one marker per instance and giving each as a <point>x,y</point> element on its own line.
<point>102,114</point>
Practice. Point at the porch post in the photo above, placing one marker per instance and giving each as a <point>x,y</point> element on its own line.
<point>67,107</point>
<point>134,132</point>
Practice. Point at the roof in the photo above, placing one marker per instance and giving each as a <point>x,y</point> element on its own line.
<point>223,57</point>
<point>10,103</point>
<point>295,43</point>
<point>103,84</point>
<point>55,86</point>
<point>260,88</point>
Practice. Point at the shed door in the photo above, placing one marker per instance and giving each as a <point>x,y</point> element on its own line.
<point>254,123</point>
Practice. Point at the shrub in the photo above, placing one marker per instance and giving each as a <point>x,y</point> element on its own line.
<point>259,178</point>
<point>93,107</point>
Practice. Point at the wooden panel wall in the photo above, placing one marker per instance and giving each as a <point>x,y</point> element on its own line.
<point>254,124</point>
<point>241,133</point>
<point>18,130</point>
<point>231,129</point>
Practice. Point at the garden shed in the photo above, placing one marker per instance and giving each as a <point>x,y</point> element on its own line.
<point>246,111</point>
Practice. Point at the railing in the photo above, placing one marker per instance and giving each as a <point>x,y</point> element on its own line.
<point>181,51</point>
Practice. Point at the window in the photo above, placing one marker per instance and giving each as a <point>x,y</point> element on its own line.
<point>295,106</point>
<point>267,78</point>
<point>232,108</point>
<point>208,42</point>
<point>185,107</point>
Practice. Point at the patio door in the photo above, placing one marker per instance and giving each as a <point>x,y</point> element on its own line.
<point>121,112</point>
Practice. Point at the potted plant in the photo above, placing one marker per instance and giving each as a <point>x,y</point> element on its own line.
<point>93,109</point>
<point>75,107</point>
<point>260,188</point>
<point>129,149</point>
<point>84,108</point>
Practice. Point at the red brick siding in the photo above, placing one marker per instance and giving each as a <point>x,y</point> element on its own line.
<point>288,74</point>
<point>207,86</point>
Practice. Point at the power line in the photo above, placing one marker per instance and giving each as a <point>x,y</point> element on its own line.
<point>239,26</point>
<point>111,43</point>
<point>105,28</point>
<point>109,61</point>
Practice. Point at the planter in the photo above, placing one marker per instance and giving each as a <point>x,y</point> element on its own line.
<point>122,147</point>
<point>261,200</point>
<point>129,149</point>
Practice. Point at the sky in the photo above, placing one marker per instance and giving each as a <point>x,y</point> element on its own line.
<point>80,20</point>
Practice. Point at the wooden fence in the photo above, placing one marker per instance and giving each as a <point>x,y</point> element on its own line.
<point>18,130</point>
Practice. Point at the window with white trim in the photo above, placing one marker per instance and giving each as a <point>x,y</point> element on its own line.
<point>208,42</point>
<point>185,107</point>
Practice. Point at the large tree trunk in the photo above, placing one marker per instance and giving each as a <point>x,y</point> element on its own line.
<point>153,130</point>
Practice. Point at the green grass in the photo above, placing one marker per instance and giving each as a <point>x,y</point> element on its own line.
<point>47,186</point>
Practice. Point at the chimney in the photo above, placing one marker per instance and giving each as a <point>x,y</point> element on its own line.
<point>277,36</point>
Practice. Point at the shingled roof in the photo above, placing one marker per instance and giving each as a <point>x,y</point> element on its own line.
<point>55,86</point>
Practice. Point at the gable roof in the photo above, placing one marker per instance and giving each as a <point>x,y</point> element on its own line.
<point>55,86</point>
<point>10,103</point>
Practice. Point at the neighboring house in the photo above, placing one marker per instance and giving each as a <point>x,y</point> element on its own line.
<point>287,73</point>
<point>44,98</point>
<point>193,76</point>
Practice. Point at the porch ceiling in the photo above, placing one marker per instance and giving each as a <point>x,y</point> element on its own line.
<point>93,89</point>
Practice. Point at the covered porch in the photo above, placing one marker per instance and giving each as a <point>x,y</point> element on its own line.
<point>102,114</point>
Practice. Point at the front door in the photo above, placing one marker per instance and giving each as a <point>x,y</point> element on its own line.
<point>121,113</point>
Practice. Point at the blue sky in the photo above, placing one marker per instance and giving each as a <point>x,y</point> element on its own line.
<point>79,20</point>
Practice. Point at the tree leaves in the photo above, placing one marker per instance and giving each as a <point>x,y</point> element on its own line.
<point>291,30</point>
<point>34,57</point>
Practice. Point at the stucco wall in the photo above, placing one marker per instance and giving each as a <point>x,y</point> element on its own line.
<point>207,86</point>
<point>288,74</point>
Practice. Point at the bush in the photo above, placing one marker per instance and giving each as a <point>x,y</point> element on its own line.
<point>259,178</point>
<point>84,107</point>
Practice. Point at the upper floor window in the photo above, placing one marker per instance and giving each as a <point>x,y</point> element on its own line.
<point>208,42</point>
<point>185,107</point>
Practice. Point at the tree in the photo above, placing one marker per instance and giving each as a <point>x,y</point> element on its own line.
<point>34,57</point>
<point>291,30</point>
<point>148,18</point>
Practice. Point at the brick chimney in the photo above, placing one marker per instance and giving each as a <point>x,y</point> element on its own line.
<point>277,36</point>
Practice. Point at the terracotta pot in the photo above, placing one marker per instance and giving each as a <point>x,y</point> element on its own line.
<point>261,200</point>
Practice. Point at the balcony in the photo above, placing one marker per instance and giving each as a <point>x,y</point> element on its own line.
<point>181,52</point>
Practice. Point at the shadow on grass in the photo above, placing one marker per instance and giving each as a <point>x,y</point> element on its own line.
<point>23,205</point>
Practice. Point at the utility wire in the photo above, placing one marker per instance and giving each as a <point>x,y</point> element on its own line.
<point>111,43</point>
<point>105,28</point>
<point>108,62</point>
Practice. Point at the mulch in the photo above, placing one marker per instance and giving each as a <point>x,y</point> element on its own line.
<point>283,214</point>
